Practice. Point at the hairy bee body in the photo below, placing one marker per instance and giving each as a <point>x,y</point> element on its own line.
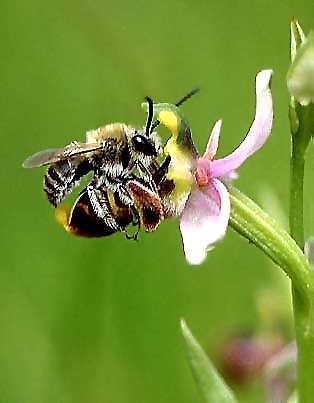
<point>119,158</point>
<point>115,155</point>
<point>114,159</point>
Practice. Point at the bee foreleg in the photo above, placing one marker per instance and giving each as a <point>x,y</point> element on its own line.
<point>146,175</point>
<point>162,171</point>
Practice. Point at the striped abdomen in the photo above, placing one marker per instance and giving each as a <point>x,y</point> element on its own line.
<point>62,176</point>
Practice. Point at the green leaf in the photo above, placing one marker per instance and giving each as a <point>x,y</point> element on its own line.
<point>212,386</point>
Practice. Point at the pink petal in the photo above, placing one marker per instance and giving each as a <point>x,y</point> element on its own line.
<point>229,177</point>
<point>213,141</point>
<point>258,133</point>
<point>204,220</point>
<point>203,172</point>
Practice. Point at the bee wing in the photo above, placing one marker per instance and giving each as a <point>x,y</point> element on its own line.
<point>52,155</point>
<point>43,157</point>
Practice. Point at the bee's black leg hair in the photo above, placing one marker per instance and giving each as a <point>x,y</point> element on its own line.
<point>162,171</point>
<point>149,177</point>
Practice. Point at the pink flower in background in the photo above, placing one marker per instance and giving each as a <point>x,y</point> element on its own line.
<point>206,214</point>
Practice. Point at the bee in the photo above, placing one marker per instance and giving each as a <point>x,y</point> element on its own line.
<point>125,184</point>
<point>122,190</point>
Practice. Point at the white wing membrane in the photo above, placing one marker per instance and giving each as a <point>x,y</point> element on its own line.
<point>52,155</point>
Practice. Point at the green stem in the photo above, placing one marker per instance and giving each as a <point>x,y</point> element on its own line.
<point>258,227</point>
<point>301,123</point>
<point>304,330</point>
<point>296,192</point>
<point>253,223</point>
<point>304,327</point>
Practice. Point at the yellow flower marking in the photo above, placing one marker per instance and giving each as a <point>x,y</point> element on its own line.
<point>170,120</point>
<point>180,168</point>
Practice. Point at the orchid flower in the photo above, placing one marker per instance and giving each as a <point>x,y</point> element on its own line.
<point>205,217</point>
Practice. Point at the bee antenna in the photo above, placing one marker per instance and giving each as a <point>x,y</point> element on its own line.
<point>187,96</point>
<point>150,115</point>
<point>179,103</point>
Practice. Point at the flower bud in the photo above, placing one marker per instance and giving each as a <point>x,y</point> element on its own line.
<point>300,82</point>
<point>300,77</point>
<point>297,38</point>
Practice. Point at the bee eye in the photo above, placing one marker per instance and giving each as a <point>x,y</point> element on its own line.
<point>143,145</point>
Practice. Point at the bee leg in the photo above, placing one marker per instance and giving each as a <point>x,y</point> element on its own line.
<point>137,222</point>
<point>100,207</point>
<point>157,176</point>
<point>144,170</point>
<point>147,176</point>
<point>133,237</point>
<point>123,193</point>
<point>162,171</point>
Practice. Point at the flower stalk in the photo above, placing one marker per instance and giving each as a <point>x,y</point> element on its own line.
<point>253,223</point>
<point>248,219</point>
<point>301,111</point>
<point>301,134</point>
<point>296,192</point>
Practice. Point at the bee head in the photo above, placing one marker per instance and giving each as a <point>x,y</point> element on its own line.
<point>144,145</point>
<point>145,142</point>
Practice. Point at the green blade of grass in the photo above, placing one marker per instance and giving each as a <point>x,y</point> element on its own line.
<point>211,384</point>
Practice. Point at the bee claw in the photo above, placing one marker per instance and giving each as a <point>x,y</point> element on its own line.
<point>133,237</point>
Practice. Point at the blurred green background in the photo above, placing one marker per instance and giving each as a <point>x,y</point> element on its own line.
<point>98,320</point>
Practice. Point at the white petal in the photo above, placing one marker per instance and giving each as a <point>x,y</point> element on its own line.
<point>204,220</point>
